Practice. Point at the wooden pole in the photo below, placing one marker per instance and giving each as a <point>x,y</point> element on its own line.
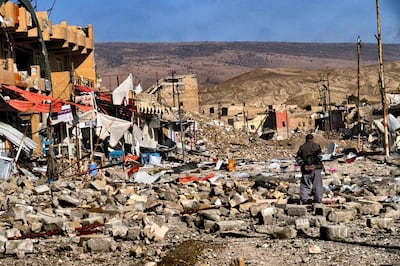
<point>382,82</point>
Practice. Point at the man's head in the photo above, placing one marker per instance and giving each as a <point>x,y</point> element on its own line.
<point>309,137</point>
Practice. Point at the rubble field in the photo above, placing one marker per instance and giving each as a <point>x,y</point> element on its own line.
<point>203,212</point>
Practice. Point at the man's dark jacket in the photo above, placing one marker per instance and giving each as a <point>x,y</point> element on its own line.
<point>308,155</point>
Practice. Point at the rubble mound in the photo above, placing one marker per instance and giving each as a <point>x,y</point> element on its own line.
<point>202,212</point>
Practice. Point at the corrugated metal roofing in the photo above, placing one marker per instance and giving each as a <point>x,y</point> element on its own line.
<point>17,138</point>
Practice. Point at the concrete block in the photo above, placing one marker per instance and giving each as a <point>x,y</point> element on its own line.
<point>19,247</point>
<point>208,225</point>
<point>100,244</point>
<point>99,184</point>
<point>342,216</point>
<point>377,222</point>
<point>211,214</point>
<point>116,229</point>
<point>236,199</point>
<point>256,209</point>
<point>295,210</point>
<point>267,215</point>
<point>155,232</point>
<point>288,232</point>
<point>3,241</point>
<point>321,210</point>
<point>190,205</point>
<point>230,225</point>
<point>133,233</point>
<point>68,201</point>
<point>332,232</point>
<point>93,220</point>
<point>302,223</point>
<point>370,208</point>
<point>42,189</point>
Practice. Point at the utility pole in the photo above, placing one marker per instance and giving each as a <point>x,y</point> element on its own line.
<point>175,80</point>
<point>180,122</point>
<point>358,93</point>
<point>173,88</point>
<point>244,117</point>
<point>382,82</point>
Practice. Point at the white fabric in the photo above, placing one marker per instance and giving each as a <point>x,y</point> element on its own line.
<point>111,126</point>
<point>138,89</point>
<point>121,93</point>
<point>64,116</point>
<point>143,137</point>
<point>88,116</point>
<point>393,99</point>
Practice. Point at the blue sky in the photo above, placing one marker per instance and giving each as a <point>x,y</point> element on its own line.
<point>229,20</point>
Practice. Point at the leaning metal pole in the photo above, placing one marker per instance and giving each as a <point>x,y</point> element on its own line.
<point>358,93</point>
<point>382,82</point>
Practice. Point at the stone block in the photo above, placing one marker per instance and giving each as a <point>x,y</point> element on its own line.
<point>211,214</point>
<point>208,225</point>
<point>391,213</point>
<point>267,215</point>
<point>100,244</point>
<point>155,232</point>
<point>36,227</point>
<point>3,242</point>
<point>295,210</point>
<point>302,223</point>
<point>288,232</point>
<point>332,232</point>
<point>68,201</point>
<point>52,223</point>
<point>321,210</point>
<point>190,206</point>
<point>19,213</point>
<point>133,233</point>
<point>217,191</point>
<point>230,225</point>
<point>116,229</point>
<point>42,189</point>
<point>99,184</point>
<point>93,220</point>
<point>377,222</point>
<point>342,216</point>
<point>318,221</point>
<point>236,199</point>
<point>19,247</point>
<point>256,209</point>
<point>370,208</point>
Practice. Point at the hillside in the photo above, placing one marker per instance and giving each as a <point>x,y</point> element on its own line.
<point>244,71</point>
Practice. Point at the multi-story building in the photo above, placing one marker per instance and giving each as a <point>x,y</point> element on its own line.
<point>41,57</point>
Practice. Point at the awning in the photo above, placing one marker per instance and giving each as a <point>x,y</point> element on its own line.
<point>39,103</point>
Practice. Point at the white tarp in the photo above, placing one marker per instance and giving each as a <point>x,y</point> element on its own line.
<point>138,89</point>
<point>120,95</point>
<point>143,138</point>
<point>393,99</point>
<point>393,124</point>
<point>111,126</point>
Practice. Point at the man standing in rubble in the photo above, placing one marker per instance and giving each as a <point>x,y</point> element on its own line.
<point>308,159</point>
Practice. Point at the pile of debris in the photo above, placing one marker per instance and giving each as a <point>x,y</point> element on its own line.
<point>140,218</point>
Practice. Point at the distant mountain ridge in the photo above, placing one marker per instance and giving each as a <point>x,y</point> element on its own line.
<point>221,67</point>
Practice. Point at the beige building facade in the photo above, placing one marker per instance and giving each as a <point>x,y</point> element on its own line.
<point>70,55</point>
